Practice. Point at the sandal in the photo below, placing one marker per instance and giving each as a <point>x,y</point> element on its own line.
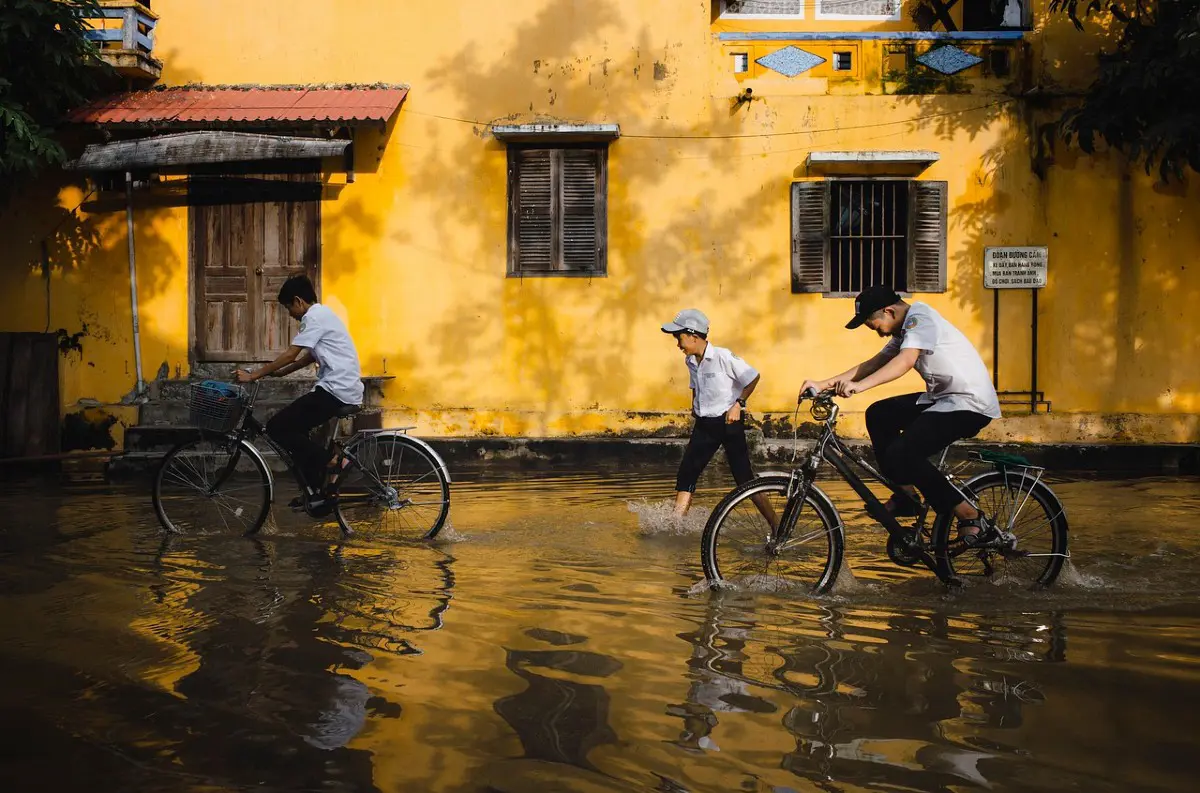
<point>977,538</point>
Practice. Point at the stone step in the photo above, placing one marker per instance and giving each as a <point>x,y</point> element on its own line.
<point>175,428</point>
<point>158,413</point>
<point>271,389</point>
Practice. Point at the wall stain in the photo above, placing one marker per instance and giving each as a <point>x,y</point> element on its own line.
<point>70,342</point>
<point>89,428</point>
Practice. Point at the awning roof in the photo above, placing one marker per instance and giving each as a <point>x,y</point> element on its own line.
<point>245,105</point>
<point>208,146</point>
<point>871,161</point>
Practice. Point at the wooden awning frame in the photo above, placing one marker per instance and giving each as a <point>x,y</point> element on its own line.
<point>204,147</point>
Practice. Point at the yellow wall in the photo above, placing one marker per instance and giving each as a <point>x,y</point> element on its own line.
<point>414,250</point>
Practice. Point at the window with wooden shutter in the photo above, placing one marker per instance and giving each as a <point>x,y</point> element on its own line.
<point>848,234</point>
<point>810,236</point>
<point>557,210</point>
<point>927,235</point>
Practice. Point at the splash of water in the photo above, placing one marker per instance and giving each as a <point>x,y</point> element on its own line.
<point>1072,577</point>
<point>845,583</point>
<point>449,535</point>
<point>659,518</point>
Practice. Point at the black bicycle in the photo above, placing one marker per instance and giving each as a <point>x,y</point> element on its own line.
<point>384,482</point>
<point>785,526</point>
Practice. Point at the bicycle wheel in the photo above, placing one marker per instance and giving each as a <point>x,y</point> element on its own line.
<point>735,546</point>
<point>1033,525</point>
<point>394,487</point>
<point>212,483</point>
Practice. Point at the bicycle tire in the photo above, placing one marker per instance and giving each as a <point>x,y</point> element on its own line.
<point>182,474</point>
<point>1053,518</point>
<point>818,577</point>
<point>422,498</point>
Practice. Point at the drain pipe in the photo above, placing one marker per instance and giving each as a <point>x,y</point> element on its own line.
<point>133,290</point>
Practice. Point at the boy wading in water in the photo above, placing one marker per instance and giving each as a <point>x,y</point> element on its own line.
<point>721,383</point>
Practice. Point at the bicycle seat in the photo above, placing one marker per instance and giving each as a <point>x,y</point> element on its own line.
<point>345,411</point>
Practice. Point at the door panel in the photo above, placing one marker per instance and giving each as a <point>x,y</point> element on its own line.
<point>243,248</point>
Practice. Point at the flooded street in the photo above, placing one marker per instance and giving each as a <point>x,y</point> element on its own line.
<point>556,641</point>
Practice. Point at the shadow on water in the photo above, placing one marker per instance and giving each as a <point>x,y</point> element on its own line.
<point>556,647</point>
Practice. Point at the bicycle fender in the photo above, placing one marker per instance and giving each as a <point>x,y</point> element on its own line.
<point>426,447</point>
<point>252,450</point>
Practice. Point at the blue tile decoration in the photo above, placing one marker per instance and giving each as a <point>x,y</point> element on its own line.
<point>949,59</point>
<point>790,61</point>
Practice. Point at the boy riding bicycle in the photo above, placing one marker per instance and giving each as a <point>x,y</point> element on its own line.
<point>322,339</point>
<point>906,430</point>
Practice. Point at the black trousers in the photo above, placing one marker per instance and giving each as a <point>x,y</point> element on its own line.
<point>708,435</point>
<point>292,429</point>
<point>905,435</point>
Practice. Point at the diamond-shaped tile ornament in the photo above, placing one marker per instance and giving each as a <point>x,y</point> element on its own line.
<point>790,61</point>
<point>949,59</point>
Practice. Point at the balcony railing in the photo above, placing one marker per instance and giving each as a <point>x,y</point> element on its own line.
<point>125,33</point>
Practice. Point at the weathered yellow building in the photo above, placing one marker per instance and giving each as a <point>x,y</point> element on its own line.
<point>563,176</point>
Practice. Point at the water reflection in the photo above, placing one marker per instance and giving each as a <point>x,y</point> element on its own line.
<point>870,697</point>
<point>558,717</point>
<point>556,648</point>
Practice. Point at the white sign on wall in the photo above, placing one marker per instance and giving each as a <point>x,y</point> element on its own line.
<point>1015,268</point>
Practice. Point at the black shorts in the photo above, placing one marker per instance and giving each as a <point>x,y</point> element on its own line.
<point>709,434</point>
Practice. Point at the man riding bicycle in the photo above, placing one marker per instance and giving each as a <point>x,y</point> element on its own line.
<point>907,430</point>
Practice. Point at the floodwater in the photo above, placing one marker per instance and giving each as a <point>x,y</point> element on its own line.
<point>558,642</point>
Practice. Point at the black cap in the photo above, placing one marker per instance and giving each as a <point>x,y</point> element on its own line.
<point>869,301</point>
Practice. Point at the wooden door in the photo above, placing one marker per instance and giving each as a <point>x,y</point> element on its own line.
<point>248,234</point>
<point>28,394</point>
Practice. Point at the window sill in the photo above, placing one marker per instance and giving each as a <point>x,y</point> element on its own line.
<point>559,274</point>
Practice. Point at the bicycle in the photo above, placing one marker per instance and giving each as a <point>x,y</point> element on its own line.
<point>388,482</point>
<point>1026,541</point>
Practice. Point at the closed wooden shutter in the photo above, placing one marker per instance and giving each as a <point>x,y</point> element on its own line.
<point>558,216</point>
<point>581,210</point>
<point>532,237</point>
<point>810,236</point>
<point>927,237</point>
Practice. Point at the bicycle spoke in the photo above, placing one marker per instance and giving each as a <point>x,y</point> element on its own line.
<point>1033,554</point>
<point>396,489</point>
<point>739,546</point>
<point>211,485</point>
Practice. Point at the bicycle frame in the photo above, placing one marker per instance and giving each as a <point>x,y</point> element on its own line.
<point>830,449</point>
<point>250,428</point>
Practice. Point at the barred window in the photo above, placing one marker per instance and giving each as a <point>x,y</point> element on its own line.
<point>848,234</point>
<point>557,210</point>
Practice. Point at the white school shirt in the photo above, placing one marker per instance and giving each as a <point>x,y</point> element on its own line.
<point>717,380</point>
<point>338,371</point>
<point>955,376</point>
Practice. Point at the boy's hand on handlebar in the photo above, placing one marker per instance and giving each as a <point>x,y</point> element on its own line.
<point>848,388</point>
<point>242,376</point>
<point>809,390</point>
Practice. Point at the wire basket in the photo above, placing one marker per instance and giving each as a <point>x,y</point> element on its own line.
<point>217,406</point>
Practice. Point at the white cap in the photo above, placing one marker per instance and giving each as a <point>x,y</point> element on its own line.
<point>690,320</point>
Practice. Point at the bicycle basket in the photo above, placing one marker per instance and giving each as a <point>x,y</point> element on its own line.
<point>216,406</point>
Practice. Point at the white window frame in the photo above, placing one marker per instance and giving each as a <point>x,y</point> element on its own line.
<point>862,17</point>
<point>726,14</point>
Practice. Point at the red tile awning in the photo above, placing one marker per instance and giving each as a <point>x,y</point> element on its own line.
<point>194,106</point>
